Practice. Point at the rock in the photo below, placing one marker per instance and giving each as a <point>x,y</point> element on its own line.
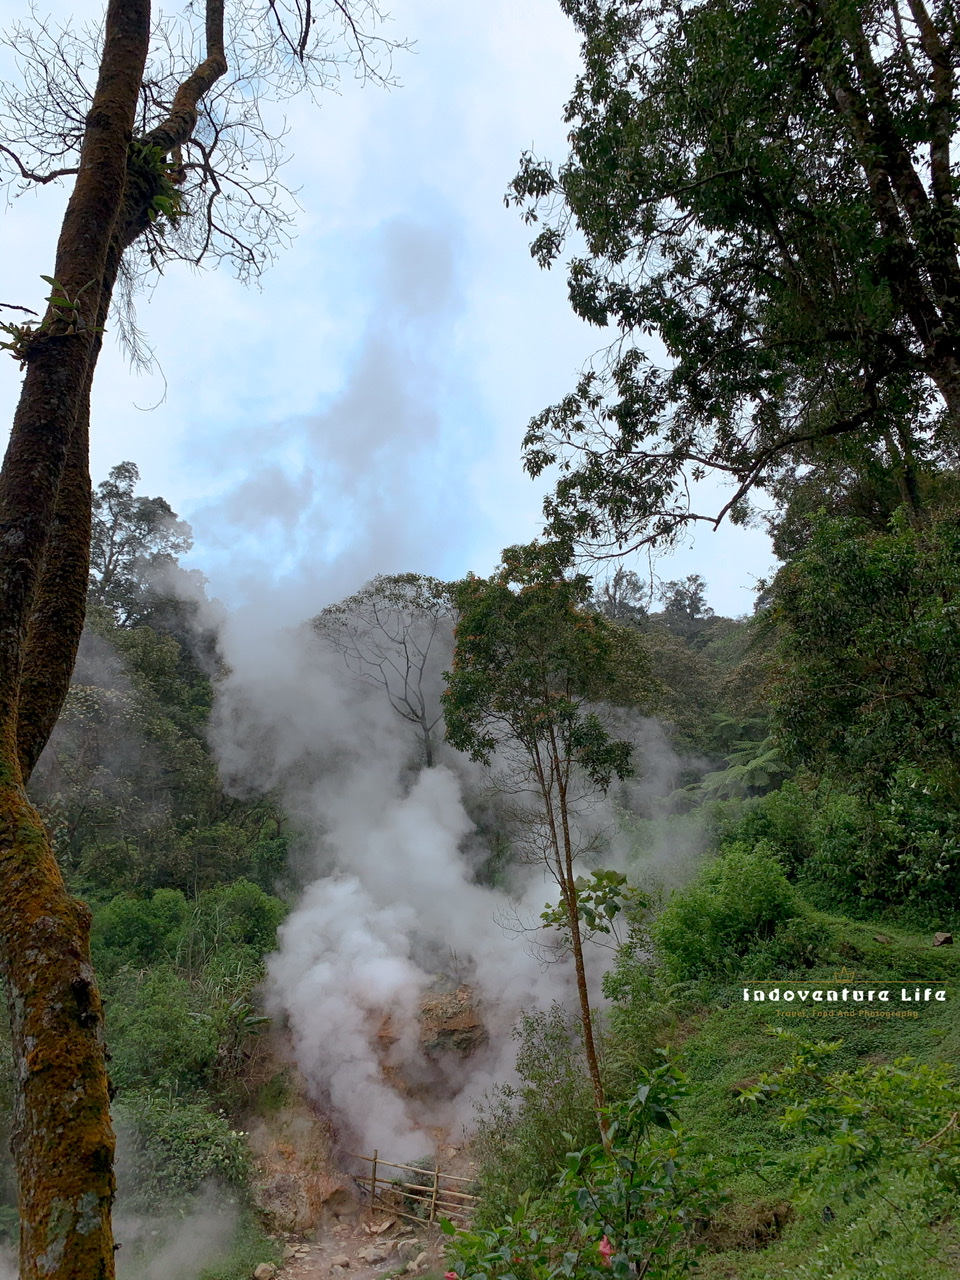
<point>297,1183</point>
<point>374,1253</point>
<point>881,937</point>
<point>340,1260</point>
<point>408,1250</point>
<point>283,1197</point>
<point>943,939</point>
<point>422,1259</point>
<point>411,1268</point>
<point>450,1022</point>
<point>340,1204</point>
<point>288,1252</point>
<point>265,1271</point>
<point>337,1271</point>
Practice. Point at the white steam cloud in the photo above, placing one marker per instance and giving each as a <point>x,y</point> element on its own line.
<point>392,912</point>
<point>175,1248</point>
<point>314,504</point>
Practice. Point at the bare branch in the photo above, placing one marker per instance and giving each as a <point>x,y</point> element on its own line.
<point>30,175</point>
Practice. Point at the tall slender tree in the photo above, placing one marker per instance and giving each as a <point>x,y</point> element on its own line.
<point>530,660</point>
<point>156,120</point>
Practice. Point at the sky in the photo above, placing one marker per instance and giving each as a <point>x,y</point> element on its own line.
<point>361,411</point>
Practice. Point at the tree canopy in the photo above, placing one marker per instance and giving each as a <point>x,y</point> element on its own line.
<point>765,196</point>
<point>396,633</point>
<point>529,662</point>
<point>133,540</point>
<point>867,676</point>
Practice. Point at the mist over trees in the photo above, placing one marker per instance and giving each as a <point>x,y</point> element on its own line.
<point>132,540</point>
<point>396,633</point>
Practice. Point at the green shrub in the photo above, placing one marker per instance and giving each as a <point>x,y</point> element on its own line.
<point>800,943</point>
<point>862,853</point>
<point>866,1121</point>
<point>736,901</point>
<point>238,915</point>
<point>627,1209</point>
<point>157,1035</point>
<point>138,931</point>
<point>174,1148</point>
<point>900,847</point>
<point>524,1131</point>
<point>784,818</point>
<point>646,1008</point>
<point>165,926</point>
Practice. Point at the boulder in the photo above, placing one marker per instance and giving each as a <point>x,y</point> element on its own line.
<point>450,1022</point>
<point>298,1184</point>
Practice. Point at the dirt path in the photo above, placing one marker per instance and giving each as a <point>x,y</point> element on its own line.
<point>373,1248</point>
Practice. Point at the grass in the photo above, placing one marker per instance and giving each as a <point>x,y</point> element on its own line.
<point>765,1231</point>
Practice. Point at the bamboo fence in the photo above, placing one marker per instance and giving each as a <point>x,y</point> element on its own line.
<point>439,1199</point>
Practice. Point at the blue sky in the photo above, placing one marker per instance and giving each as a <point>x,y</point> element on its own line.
<point>362,411</point>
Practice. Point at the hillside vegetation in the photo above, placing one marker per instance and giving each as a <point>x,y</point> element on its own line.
<point>754,1138</point>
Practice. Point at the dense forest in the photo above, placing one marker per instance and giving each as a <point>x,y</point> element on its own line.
<point>643,914</point>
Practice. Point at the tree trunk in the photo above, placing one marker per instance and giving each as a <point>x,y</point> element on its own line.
<point>563,848</point>
<point>60,603</point>
<point>589,1043</point>
<point>62,1142</point>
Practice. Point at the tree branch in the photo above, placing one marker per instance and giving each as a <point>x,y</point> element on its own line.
<point>182,120</point>
<point>29,174</point>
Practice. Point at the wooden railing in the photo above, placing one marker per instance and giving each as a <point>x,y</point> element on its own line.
<point>435,1195</point>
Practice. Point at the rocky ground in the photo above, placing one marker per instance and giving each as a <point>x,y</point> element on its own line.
<point>322,1214</point>
<point>362,1251</point>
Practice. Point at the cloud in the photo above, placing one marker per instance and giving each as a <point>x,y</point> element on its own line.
<point>324,500</point>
